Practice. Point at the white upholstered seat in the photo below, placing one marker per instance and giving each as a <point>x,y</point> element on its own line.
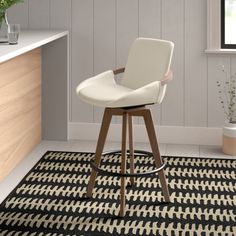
<point>144,81</point>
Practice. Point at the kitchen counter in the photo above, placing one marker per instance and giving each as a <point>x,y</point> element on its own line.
<point>34,79</point>
<point>28,41</point>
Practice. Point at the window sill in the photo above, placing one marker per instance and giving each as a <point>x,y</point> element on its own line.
<point>220,51</point>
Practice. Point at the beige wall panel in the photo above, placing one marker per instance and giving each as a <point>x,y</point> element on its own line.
<point>173,29</point>
<point>39,14</point>
<point>82,56</point>
<point>195,63</point>
<point>19,14</point>
<point>60,14</point>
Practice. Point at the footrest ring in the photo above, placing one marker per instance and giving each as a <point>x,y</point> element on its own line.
<point>109,173</point>
<point>135,152</point>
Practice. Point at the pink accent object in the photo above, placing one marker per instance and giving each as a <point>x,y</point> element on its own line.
<point>167,78</point>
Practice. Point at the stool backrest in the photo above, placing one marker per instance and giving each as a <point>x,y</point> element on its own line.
<point>148,61</point>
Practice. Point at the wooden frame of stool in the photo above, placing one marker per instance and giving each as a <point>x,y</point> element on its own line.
<point>127,114</point>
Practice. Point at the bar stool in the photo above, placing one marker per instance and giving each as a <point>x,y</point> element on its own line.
<point>146,75</point>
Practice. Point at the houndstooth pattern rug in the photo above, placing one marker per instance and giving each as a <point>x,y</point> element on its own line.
<point>50,200</point>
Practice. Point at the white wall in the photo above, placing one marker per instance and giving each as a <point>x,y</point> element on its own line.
<point>101,33</point>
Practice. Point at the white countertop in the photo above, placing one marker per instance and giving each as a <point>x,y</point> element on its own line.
<point>29,40</point>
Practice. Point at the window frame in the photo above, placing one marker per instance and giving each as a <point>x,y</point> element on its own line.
<point>223,44</point>
<point>214,29</point>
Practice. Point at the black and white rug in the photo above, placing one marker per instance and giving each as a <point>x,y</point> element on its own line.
<point>50,201</point>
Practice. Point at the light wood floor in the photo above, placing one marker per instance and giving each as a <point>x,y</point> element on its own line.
<point>23,168</point>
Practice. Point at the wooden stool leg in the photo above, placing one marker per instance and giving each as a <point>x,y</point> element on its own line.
<point>156,153</point>
<point>100,145</point>
<point>123,164</point>
<point>131,149</point>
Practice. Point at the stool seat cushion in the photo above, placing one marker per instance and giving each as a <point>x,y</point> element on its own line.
<point>144,80</point>
<point>102,90</point>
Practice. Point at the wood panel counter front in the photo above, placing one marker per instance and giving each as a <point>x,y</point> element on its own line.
<point>20,108</point>
<point>34,78</point>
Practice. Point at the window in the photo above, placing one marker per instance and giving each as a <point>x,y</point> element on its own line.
<point>228,23</point>
<point>221,39</point>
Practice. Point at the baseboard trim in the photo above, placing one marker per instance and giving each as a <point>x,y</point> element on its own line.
<point>166,134</point>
